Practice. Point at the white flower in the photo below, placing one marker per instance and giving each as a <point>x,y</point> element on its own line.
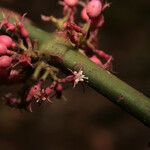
<point>79,77</point>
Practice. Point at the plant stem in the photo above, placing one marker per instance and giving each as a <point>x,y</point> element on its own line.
<point>103,81</point>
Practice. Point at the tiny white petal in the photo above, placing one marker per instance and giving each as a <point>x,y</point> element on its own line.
<point>79,77</point>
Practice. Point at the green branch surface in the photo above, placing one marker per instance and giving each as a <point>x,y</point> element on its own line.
<point>101,80</point>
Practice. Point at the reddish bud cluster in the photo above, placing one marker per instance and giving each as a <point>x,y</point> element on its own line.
<point>84,36</point>
<point>40,94</point>
<point>14,55</point>
<point>9,58</point>
<point>18,56</point>
<point>86,39</point>
<point>6,56</point>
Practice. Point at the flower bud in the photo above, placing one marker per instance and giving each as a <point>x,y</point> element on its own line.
<point>84,15</point>
<point>34,90</point>
<point>48,91</point>
<point>13,74</point>
<point>5,61</point>
<point>3,49</point>
<point>94,8</point>
<point>71,3</point>
<point>6,40</point>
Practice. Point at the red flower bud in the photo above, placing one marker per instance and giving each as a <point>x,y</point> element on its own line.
<point>48,91</point>
<point>13,74</point>
<point>84,14</point>
<point>6,40</point>
<point>3,49</point>
<point>71,3</point>
<point>34,90</point>
<point>5,61</point>
<point>94,8</point>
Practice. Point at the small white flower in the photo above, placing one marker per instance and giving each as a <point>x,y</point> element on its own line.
<point>79,77</point>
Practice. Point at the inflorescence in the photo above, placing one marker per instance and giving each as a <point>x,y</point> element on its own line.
<point>40,80</point>
<point>83,35</point>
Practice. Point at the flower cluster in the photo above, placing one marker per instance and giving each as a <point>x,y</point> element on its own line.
<point>13,53</point>
<point>84,35</point>
<point>39,78</point>
<point>21,62</point>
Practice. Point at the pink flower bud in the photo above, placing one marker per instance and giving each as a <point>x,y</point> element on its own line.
<point>5,61</point>
<point>34,90</point>
<point>14,45</point>
<point>71,3</point>
<point>48,91</point>
<point>94,8</point>
<point>13,74</point>
<point>3,49</point>
<point>59,87</point>
<point>6,40</point>
<point>84,15</point>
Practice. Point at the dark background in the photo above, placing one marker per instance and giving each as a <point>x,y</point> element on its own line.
<point>87,121</point>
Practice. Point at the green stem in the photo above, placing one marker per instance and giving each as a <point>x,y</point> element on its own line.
<point>104,82</point>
